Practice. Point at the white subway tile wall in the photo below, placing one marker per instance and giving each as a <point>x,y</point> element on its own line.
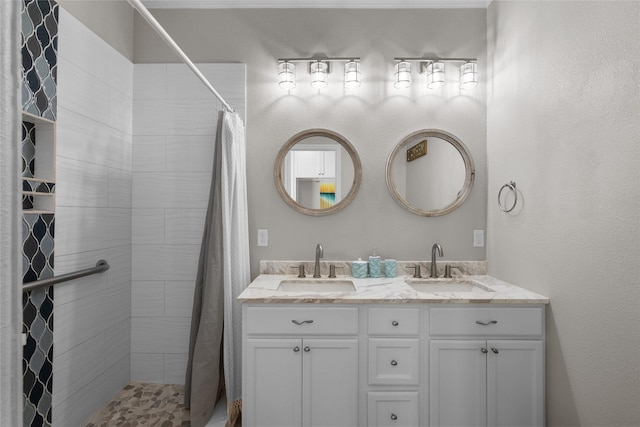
<point>92,339</point>
<point>174,126</point>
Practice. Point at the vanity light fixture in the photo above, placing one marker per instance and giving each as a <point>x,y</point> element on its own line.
<point>287,75</point>
<point>435,74</point>
<point>468,75</point>
<point>402,75</point>
<point>319,70</point>
<point>434,69</point>
<point>352,75</point>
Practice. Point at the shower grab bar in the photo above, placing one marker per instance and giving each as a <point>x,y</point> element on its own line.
<point>101,266</point>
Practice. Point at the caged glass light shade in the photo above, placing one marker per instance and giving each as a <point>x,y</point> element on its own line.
<point>352,75</point>
<point>468,75</point>
<point>319,74</point>
<point>402,75</point>
<point>287,75</point>
<point>435,75</point>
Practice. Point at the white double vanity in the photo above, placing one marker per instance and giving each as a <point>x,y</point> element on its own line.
<point>399,351</point>
<point>465,351</point>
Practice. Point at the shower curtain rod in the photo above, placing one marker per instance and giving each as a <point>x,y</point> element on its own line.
<point>142,10</point>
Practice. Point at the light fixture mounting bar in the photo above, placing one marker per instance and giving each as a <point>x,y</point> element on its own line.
<point>327,61</point>
<point>346,59</point>
<point>427,60</point>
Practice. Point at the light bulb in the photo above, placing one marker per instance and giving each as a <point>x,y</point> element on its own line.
<point>319,76</point>
<point>287,75</point>
<point>402,75</point>
<point>435,75</point>
<point>468,75</point>
<point>352,75</point>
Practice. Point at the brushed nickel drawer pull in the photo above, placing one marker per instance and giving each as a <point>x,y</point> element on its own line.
<point>490,322</point>
<point>394,363</point>
<point>302,323</point>
<point>395,323</point>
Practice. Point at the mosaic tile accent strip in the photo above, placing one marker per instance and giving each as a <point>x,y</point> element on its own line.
<point>27,202</point>
<point>37,364</point>
<point>39,97</point>
<point>40,57</point>
<point>37,246</point>
<point>28,149</point>
<point>38,186</point>
<point>144,404</point>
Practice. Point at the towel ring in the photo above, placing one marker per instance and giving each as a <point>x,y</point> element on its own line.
<point>511,186</point>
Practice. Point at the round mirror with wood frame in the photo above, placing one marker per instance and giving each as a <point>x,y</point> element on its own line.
<point>317,172</point>
<point>430,172</point>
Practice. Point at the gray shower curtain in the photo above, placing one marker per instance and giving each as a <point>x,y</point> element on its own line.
<point>223,272</point>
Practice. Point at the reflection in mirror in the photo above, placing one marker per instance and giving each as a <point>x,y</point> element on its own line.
<point>317,172</point>
<point>430,172</point>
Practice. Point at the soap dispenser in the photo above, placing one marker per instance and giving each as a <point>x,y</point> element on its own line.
<point>375,268</point>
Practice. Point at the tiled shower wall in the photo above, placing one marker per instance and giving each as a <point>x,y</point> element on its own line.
<point>174,125</point>
<point>93,221</point>
<point>39,22</point>
<point>39,57</point>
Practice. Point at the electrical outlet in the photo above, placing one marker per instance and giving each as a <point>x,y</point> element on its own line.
<point>263,237</point>
<point>478,238</point>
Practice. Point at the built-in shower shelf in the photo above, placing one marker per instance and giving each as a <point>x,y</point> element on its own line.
<point>38,164</point>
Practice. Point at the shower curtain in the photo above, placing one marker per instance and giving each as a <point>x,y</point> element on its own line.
<point>215,346</point>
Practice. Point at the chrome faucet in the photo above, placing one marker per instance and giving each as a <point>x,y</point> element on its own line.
<point>434,268</point>
<point>319,254</point>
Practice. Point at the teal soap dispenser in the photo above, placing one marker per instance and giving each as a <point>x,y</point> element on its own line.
<point>375,265</point>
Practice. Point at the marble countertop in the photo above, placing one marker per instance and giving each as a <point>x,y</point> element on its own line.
<point>264,289</point>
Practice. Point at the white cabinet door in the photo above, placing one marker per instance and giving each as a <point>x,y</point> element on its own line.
<point>274,382</point>
<point>329,164</point>
<point>457,383</point>
<point>315,164</point>
<point>330,382</point>
<point>308,164</point>
<point>493,383</point>
<point>515,385</point>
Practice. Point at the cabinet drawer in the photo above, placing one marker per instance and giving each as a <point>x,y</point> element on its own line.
<point>493,321</point>
<point>394,361</point>
<point>392,409</point>
<point>302,320</point>
<point>394,321</point>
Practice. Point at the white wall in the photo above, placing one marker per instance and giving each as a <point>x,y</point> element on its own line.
<point>563,123</point>
<point>174,129</point>
<point>374,118</point>
<point>93,221</point>
<point>111,20</point>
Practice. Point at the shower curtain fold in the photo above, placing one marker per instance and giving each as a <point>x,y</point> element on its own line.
<point>215,347</point>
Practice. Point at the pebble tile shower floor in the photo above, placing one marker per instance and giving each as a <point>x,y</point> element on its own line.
<point>144,404</point>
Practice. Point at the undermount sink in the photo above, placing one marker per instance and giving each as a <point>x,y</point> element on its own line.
<point>446,285</point>
<point>316,285</point>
